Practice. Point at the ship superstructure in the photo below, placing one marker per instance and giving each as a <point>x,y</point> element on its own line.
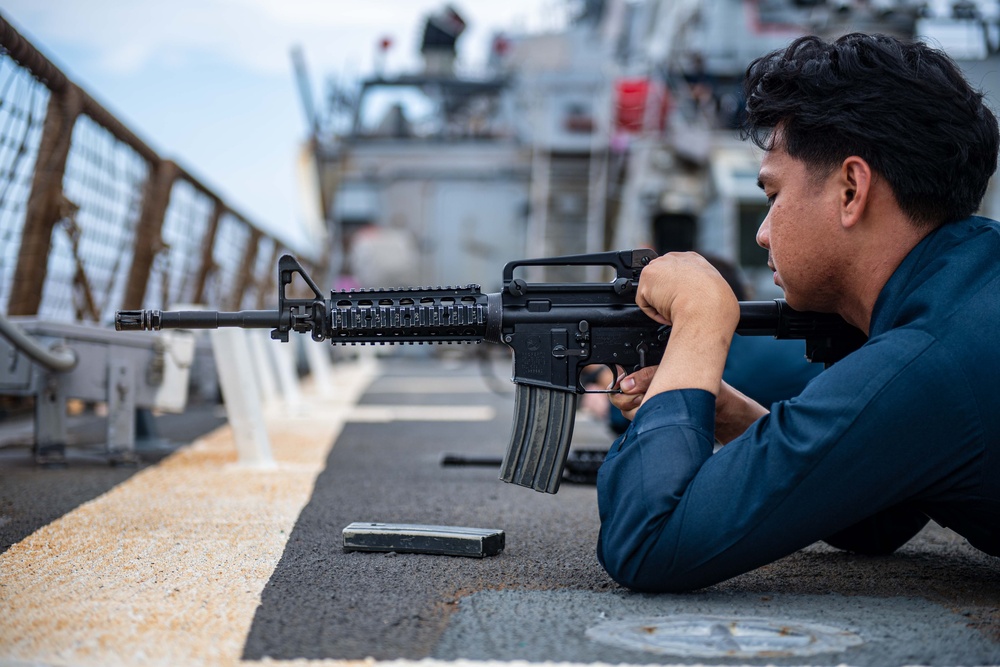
<point>618,131</point>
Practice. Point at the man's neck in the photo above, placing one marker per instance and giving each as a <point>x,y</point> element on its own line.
<point>881,250</point>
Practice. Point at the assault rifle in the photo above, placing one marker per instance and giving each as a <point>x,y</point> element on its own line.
<point>554,330</point>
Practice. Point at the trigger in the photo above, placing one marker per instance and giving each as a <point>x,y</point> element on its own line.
<point>641,350</point>
<point>617,372</point>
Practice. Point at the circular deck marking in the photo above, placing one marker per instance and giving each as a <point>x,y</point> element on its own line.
<point>719,636</point>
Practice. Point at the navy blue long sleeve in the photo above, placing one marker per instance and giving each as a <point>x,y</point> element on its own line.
<point>912,419</point>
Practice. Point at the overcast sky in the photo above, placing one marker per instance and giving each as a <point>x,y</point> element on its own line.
<point>210,83</point>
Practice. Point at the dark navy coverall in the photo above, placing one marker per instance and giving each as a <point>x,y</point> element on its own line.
<point>905,428</point>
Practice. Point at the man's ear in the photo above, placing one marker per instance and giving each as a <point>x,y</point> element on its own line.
<point>855,190</point>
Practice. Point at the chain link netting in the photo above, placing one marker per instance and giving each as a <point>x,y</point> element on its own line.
<point>232,241</point>
<point>260,293</point>
<point>175,271</point>
<point>22,112</point>
<point>117,227</point>
<point>92,242</point>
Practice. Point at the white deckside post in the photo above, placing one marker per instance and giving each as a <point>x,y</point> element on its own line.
<point>242,398</point>
<point>283,355</point>
<point>262,367</point>
<point>318,358</point>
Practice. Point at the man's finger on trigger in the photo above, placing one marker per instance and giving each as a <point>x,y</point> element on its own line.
<point>627,384</point>
<point>638,381</point>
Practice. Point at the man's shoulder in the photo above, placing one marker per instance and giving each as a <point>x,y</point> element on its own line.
<point>974,228</point>
<point>952,272</point>
<point>968,273</point>
<point>982,220</point>
<point>962,235</point>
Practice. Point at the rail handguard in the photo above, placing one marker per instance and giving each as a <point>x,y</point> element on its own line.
<point>554,330</point>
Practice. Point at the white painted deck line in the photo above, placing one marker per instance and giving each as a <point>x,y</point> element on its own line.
<point>439,385</point>
<point>168,567</point>
<point>435,413</point>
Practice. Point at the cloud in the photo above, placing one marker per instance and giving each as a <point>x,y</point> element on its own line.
<point>156,65</point>
<point>124,36</point>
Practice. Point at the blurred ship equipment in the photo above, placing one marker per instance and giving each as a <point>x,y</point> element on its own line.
<point>616,131</point>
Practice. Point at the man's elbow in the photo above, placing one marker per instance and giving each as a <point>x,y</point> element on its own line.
<point>639,571</point>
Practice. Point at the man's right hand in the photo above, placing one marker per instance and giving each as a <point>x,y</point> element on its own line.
<point>633,388</point>
<point>686,292</point>
<point>734,411</point>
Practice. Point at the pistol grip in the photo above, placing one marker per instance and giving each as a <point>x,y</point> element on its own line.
<point>540,437</point>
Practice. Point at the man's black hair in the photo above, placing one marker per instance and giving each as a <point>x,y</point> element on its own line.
<point>904,108</point>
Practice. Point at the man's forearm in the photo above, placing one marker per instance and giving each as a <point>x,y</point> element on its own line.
<point>694,359</point>
<point>734,413</point>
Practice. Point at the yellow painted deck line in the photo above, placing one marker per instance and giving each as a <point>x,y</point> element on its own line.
<point>168,567</point>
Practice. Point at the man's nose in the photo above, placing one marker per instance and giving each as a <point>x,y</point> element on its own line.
<point>764,233</point>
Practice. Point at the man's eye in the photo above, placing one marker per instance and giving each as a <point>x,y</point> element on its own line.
<point>770,200</point>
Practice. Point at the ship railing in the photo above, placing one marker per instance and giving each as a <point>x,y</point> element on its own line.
<point>93,220</point>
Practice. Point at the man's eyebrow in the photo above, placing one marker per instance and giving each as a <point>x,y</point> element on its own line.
<point>762,178</point>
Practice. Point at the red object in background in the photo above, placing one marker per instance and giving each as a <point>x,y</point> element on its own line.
<point>385,44</point>
<point>631,98</point>
<point>501,45</point>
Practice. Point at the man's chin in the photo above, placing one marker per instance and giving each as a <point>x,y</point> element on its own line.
<point>795,302</point>
<point>804,305</point>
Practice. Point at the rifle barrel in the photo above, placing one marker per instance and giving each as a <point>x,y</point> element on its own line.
<point>154,320</point>
<point>759,318</point>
